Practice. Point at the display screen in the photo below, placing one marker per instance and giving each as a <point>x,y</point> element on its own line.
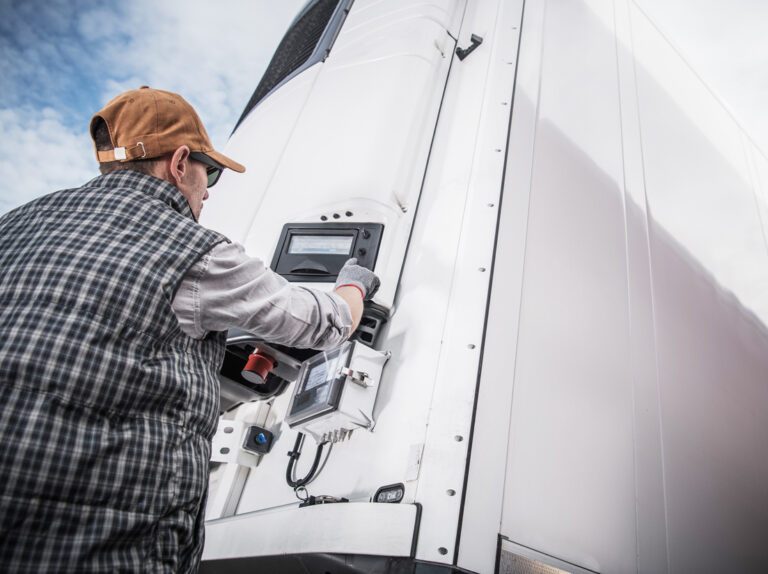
<point>319,384</point>
<point>316,397</point>
<point>317,376</point>
<point>321,244</point>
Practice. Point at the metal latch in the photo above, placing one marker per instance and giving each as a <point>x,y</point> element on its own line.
<point>464,52</point>
<point>358,377</point>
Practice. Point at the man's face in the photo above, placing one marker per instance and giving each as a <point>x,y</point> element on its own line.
<point>194,186</point>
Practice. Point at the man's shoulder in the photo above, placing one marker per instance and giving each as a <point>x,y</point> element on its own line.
<point>38,203</point>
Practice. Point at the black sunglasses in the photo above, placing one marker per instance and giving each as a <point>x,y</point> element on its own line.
<point>212,168</point>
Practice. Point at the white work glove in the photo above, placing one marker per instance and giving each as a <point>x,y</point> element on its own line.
<point>360,277</point>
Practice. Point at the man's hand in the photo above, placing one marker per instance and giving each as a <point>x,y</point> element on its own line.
<point>354,275</point>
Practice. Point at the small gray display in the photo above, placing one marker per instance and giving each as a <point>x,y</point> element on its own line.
<point>317,376</point>
<point>321,244</point>
<point>318,386</point>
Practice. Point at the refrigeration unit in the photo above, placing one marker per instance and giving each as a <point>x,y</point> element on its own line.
<point>566,365</point>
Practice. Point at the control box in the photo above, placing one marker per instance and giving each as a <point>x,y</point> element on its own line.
<point>336,391</point>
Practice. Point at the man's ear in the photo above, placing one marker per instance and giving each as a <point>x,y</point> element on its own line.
<point>178,165</point>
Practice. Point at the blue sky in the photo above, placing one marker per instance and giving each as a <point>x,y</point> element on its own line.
<point>61,60</point>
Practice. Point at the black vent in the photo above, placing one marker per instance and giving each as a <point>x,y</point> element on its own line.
<point>301,42</point>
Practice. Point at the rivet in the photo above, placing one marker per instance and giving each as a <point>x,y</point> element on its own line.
<point>348,214</point>
<point>450,492</point>
<point>481,269</point>
<point>442,550</point>
<point>336,215</point>
<point>458,438</point>
<point>224,450</point>
<point>470,346</point>
<point>228,430</point>
<point>491,205</point>
<point>323,218</point>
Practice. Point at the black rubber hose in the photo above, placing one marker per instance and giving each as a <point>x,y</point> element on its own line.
<point>294,456</point>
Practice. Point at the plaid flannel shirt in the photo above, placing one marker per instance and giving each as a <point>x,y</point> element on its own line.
<point>106,407</point>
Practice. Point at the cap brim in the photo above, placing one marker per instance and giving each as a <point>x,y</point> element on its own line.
<point>225,161</point>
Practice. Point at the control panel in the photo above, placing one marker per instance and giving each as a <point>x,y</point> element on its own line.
<point>315,252</point>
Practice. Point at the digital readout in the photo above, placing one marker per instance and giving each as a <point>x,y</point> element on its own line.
<point>321,244</point>
<point>317,376</point>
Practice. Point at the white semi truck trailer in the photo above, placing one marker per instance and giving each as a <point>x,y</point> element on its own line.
<point>566,366</point>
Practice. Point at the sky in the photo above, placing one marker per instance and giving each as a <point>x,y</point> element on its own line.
<point>62,60</point>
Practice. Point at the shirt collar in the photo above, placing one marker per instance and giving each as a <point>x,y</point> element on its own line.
<point>149,185</point>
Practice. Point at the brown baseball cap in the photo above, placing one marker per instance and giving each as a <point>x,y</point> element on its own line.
<point>148,123</point>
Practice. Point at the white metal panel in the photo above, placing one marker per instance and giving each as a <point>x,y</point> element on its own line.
<point>465,172</point>
<point>392,13</point>
<point>375,529</point>
<point>258,144</point>
<point>481,515</point>
<point>649,478</point>
<point>580,301</point>
<point>675,440</point>
<point>570,469</point>
<point>362,463</point>
<point>710,283</point>
<point>696,157</point>
<point>758,164</point>
<point>357,467</point>
<point>362,136</point>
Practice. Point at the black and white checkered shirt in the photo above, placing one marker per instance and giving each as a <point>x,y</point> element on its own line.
<point>106,406</point>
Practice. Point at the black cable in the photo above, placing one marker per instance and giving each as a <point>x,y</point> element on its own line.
<point>294,456</point>
<point>325,460</point>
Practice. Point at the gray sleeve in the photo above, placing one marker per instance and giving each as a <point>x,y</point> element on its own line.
<point>227,288</point>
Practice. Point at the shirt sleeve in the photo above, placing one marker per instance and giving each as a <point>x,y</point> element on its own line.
<point>226,288</point>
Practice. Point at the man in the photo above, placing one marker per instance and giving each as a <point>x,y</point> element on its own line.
<point>113,307</point>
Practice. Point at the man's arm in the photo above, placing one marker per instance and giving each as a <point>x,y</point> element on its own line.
<point>356,284</point>
<point>227,288</point>
<point>354,300</point>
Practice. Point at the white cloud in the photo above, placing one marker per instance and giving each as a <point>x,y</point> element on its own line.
<point>39,154</point>
<point>61,55</point>
<point>213,57</point>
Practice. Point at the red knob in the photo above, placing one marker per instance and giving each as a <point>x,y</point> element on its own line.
<point>257,367</point>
